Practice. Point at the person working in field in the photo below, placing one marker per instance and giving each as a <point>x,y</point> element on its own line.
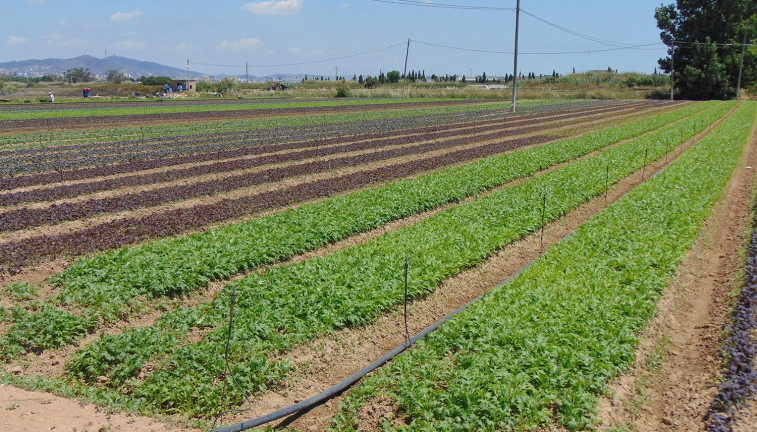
<point>50,97</point>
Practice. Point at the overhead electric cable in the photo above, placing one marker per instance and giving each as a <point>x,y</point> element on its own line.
<point>534,53</point>
<point>306,62</point>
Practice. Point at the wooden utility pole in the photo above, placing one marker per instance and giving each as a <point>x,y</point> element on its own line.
<point>404,73</point>
<point>515,56</point>
<point>246,72</point>
<point>741,63</point>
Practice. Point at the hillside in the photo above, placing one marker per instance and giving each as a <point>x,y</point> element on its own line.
<point>98,66</point>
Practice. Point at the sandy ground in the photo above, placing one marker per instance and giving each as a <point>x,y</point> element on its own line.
<point>678,364</point>
<point>27,411</point>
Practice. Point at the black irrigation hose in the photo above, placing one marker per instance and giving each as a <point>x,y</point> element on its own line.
<point>352,379</point>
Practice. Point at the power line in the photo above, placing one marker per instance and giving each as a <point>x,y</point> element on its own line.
<point>575,33</point>
<point>305,62</point>
<point>535,53</point>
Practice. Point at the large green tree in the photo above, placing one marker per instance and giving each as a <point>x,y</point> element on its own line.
<point>705,42</point>
<point>75,75</point>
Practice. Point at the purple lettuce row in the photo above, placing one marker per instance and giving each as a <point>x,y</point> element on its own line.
<point>24,218</point>
<point>7,156</point>
<point>161,152</point>
<point>40,159</point>
<point>88,122</point>
<point>14,256</point>
<point>313,149</point>
<point>740,377</point>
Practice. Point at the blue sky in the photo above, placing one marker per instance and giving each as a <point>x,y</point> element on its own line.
<point>280,33</point>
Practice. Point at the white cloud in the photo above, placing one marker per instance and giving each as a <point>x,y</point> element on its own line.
<point>129,34</point>
<point>130,45</point>
<point>39,2</point>
<point>278,7</point>
<point>64,24</point>
<point>126,16</point>
<point>234,46</point>
<point>346,5</point>
<point>59,40</point>
<point>295,51</point>
<point>15,40</point>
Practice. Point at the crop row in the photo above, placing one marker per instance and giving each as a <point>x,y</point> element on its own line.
<point>184,264</point>
<point>417,117</point>
<point>315,131</point>
<point>290,304</point>
<point>170,116</point>
<point>89,111</point>
<point>539,349</point>
<point>158,152</point>
<point>18,254</point>
<point>180,266</point>
<point>297,150</point>
<point>23,218</point>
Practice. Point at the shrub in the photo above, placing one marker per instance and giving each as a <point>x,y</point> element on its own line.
<point>342,91</point>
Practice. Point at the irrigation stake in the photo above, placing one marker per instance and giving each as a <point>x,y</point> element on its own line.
<point>607,181</point>
<point>227,371</point>
<point>666,151</point>
<point>407,333</point>
<point>644,166</point>
<point>543,210</point>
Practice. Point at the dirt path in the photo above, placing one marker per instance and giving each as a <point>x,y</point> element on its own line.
<point>27,411</point>
<point>677,369</point>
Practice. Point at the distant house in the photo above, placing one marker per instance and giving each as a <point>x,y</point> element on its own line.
<point>186,85</point>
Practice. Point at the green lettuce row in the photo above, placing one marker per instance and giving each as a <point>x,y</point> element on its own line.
<point>289,305</point>
<point>104,111</point>
<point>53,138</point>
<point>541,348</point>
<point>181,265</point>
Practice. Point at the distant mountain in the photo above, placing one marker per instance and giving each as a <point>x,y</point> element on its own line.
<point>98,66</point>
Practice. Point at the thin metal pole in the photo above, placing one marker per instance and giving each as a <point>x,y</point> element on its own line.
<point>515,54</point>
<point>543,211</point>
<point>247,72</point>
<point>607,182</point>
<point>407,333</point>
<point>404,73</point>
<point>644,166</point>
<point>741,63</point>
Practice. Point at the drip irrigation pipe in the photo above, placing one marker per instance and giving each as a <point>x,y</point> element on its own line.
<point>352,379</point>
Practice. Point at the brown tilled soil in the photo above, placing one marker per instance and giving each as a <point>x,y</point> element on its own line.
<point>677,369</point>
<point>27,411</point>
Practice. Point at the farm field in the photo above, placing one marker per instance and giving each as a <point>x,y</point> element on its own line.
<point>130,238</point>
